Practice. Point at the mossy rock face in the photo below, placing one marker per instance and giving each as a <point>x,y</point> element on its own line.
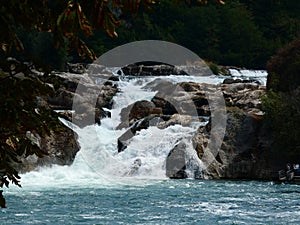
<point>284,69</point>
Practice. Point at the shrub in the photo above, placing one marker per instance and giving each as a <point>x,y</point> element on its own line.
<point>284,68</point>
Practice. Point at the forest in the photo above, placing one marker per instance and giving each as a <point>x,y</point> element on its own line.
<point>239,33</point>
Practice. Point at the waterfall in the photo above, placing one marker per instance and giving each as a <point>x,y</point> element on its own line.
<point>99,163</point>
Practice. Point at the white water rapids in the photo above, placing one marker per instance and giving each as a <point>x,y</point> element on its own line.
<point>98,161</point>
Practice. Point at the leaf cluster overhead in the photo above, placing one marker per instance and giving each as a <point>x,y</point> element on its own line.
<point>67,20</point>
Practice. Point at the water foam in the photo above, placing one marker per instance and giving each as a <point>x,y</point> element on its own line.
<point>98,162</point>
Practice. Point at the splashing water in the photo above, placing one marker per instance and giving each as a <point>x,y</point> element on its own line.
<point>98,161</point>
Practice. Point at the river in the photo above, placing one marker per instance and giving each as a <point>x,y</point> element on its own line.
<point>100,187</point>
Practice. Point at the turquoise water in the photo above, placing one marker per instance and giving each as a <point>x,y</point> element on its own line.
<point>157,202</point>
<point>96,188</point>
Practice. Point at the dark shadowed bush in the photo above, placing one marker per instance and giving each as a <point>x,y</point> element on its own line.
<point>282,102</point>
<point>284,68</point>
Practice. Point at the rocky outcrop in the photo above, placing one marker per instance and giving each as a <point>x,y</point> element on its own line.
<point>39,129</point>
<point>31,129</point>
<point>244,149</point>
<point>81,94</point>
<point>137,111</point>
<point>60,146</point>
<point>176,162</point>
<point>246,96</point>
<point>151,69</point>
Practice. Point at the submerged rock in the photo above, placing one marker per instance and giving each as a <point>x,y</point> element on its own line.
<point>134,168</point>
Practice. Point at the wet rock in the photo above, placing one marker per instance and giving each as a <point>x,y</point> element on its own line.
<point>184,120</point>
<point>61,146</point>
<point>243,153</point>
<point>176,162</point>
<point>137,111</point>
<point>151,69</point>
<point>78,92</point>
<point>144,123</point>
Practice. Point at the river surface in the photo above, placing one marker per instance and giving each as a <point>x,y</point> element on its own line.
<point>101,187</point>
<point>155,202</point>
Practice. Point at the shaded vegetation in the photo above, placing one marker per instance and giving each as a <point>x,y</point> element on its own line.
<point>284,69</point>
<point>24,117</point>
<point>282,102</point>
<point>239,33</point>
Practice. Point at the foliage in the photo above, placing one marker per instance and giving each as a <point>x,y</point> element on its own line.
<point>68,21</point>
<point>240,33</point>
<point>284,68</point>
<point>22,115</point>
<point>282,113</point>
<point>282,102</point>
<point>232,34</point>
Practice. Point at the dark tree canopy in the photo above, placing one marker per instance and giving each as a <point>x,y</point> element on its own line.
<point>67,20</point>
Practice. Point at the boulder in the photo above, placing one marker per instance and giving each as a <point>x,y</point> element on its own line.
<point>86,99</point>
<point>184,120</point>
<point>144,123</point>
<point>137,111</point>
<point>243,153</point>
<point>176,162</point>
<point>166,107</point>
<point>60,146</point>
<point>151,69</point>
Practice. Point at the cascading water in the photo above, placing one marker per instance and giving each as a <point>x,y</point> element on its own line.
<point>98,162</point>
